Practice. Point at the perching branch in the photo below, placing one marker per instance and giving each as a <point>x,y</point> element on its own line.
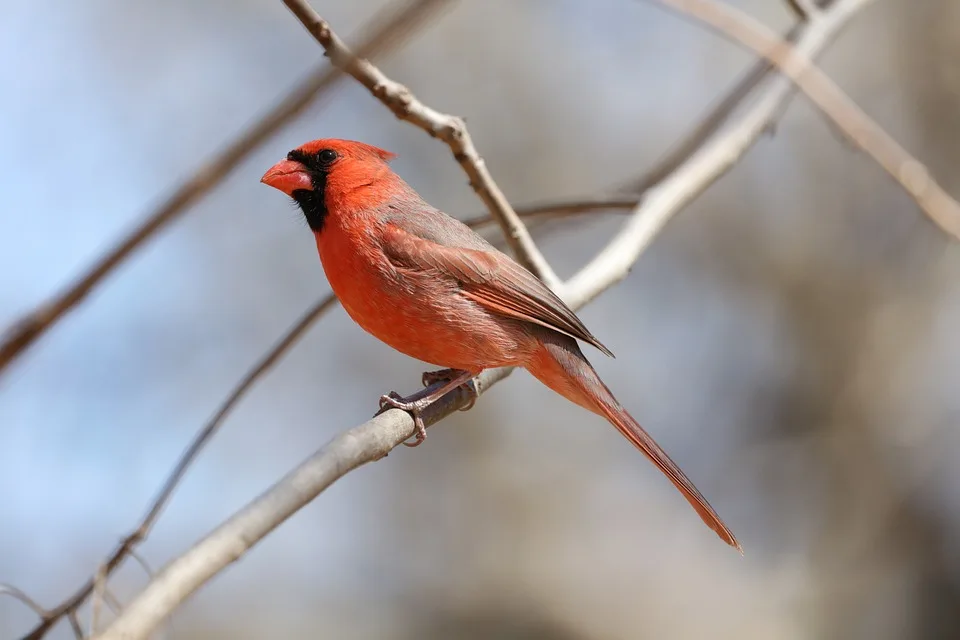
<point>450,129</point>
<point>939,206</point>
<point>378,436</point>
<point>385,34</point>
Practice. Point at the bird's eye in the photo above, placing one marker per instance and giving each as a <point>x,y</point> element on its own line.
<point>327,156</point>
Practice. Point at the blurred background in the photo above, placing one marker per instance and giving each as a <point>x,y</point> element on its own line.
<point>791,338</point>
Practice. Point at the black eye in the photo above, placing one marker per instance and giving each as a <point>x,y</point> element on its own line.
<point>327,156</point>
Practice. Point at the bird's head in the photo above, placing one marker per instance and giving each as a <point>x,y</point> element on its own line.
<point>328,174</point>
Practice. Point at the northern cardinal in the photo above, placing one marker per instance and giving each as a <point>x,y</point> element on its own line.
<point>428,286</point>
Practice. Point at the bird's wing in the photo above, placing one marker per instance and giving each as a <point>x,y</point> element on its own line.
<point>485,275</point>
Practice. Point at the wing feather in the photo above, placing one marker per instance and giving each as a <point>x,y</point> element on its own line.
<point>489,278</point>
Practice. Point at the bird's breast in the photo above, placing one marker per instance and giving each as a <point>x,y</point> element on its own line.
<point>419,313</point>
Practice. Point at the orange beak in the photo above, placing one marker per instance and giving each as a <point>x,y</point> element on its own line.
<point>288,176</point>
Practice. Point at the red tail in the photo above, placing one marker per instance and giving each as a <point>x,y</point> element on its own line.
<point>560,365</point>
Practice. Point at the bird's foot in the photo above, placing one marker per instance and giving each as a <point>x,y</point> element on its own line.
<point>452,378</point>
<point>414,408</point>
<point>448,375</point>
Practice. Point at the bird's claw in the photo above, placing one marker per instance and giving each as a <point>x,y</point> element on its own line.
<point>445,375</point>
<point>414,408</point>
<point>472,390</point>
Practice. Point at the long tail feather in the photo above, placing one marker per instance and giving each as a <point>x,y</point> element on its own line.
<point>560,365</point>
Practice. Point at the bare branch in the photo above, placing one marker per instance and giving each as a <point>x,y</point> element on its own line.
<point>704,167</point>
<point>377,437</point>
<point>450,129</point>
<point>382,36</point>
<point>939,206</point>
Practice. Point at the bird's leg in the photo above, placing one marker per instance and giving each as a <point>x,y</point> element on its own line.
<point>453,377</point>
<point>432,377</point>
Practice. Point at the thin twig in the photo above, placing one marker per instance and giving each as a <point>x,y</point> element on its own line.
<point>450,129</point>
<point>385,34</point>
<point>75,625</point>
<point>17,594</point>
<point>375,438</point>
<point>96,600</point>
<point>939,206</point>
<point>554,209</point>
<point>112,601</point>
<point>133,553</point>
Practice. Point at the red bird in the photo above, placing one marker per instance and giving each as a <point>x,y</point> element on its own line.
<point>428,286</point>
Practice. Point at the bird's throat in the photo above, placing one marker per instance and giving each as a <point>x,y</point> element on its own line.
<point>313,203</point>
